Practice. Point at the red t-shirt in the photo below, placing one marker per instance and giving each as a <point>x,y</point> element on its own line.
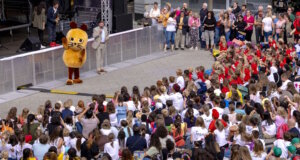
<point>225,90</point>
<point>239,80</point>
<point>222,47</point>
<point>254,68</point>
<point>200,75</point>
<point>212,125</point>
<point>247,74</point>
<point>297,24</point>
<point>258,53</point>
<point>273,44</point>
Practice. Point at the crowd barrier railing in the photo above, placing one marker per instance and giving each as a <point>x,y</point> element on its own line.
<point>46,65</point>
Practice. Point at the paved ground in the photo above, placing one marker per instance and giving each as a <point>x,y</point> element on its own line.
<point>130,73</point>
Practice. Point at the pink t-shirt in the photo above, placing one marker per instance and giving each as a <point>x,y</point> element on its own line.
<point>279,121</point>
<point>279,25</point>
<point>249,20</point>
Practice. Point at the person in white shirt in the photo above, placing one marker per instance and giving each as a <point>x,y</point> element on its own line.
<point>285,81</point>
<point>176,97</point>
<point>112,147</point>
<point>216,104</point>
<point>171,30</point>
<point>207,117</point>
<point>199,131</point>
<point>180,79</point>
<point>282,144</point>
<point>268,126</point>
<point>267,25</point>
<point>220,136</point>
<point>154,13</point>
<point>258,152</point>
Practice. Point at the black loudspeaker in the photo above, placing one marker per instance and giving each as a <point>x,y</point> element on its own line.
<point>31,44</point>
<point>122,23</point>
<point>119,7</point>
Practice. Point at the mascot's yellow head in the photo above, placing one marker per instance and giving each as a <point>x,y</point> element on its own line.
<point>77,37</point>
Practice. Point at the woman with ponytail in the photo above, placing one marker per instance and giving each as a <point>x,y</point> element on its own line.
<point>112,147</point>
<point>31,127</point>
<point>89,149</point>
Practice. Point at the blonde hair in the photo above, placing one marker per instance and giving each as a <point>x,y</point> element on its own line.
<point>296,98</point>
<point>179,72</point>
<point>200,122</point>
<point>281,112</point>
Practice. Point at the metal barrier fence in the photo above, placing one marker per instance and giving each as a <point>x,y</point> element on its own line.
<point>47,65</point>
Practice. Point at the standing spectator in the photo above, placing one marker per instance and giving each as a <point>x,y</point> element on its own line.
<point>101,36</point>
<point>269,10</point>
<point>185,9</point>
<point>290,13</point>
<point>280,26</point>
<point>154,13</point>
<point>240,26</point>
<point>194,24</point>
<point>227,25</point>
<point>249,19</point>
<point>288,29</point>
<point>267,25</point>
<point>258,27</point>
<point>136,142</point>
<point>52,21</point>
<point>236,9</point>
<point>171,30</point>
<point>219,29</point>
<point>231,15</point>
<point>244,10</point>
<point>296,30</point>
<point>209,28</point>
<point>203,13</point>
<point>164,16</point>
<point>182,27</point>
<point>39,21</point>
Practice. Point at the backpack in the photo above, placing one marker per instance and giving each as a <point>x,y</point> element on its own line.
<point>281,130</point>
<point>202,89</point>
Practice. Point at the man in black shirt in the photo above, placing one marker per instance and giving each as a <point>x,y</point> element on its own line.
<point>203,13</point>
<point>136,142</point>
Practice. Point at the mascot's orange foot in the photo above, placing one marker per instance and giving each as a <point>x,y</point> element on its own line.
<point>77,81</point>
<point>69,82</point>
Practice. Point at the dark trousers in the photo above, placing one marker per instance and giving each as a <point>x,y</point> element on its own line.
<point>41,35</point>
<point>51,32</point>
<point>259,37</point>
<point>248,35</point>
<point>75,71</point>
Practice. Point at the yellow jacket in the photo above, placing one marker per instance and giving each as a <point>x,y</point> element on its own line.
<point>239,93</point>
<point>164,19</point>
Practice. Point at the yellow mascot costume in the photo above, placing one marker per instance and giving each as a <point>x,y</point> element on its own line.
<point>74,55</point>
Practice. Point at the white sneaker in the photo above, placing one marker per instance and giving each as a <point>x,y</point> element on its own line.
<point>191,48</point>
<point>43,47</point>
<point>196,48</point>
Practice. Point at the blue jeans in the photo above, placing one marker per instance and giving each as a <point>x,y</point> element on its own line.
<point>51,32</point>
<point>267,34</point>
<point>217,36</point>
<point>170,37</point>
<point>227,36</point>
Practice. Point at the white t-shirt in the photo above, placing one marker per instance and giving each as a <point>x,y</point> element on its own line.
<point>171,26</point>
<point>256,157</point>
<point>131,106</point>
<point>73,142</point>
<point>282,144</point>
<point>113,119</point>
<point>284,85</point>
<point>220,110</point>
<point>198,133</point>
<point>207,119</point>
<point>267,24</point>
<point>220,137</point>
<point>195,113</point>
<point>113,151</point>
<point>180,82</point>
<point>177,101</point>
<point>270,129</point>
<point>154,13</point>
<point>238,140</point>
<point>21,148</point>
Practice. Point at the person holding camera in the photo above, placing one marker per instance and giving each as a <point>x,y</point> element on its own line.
<point>88,120</point>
